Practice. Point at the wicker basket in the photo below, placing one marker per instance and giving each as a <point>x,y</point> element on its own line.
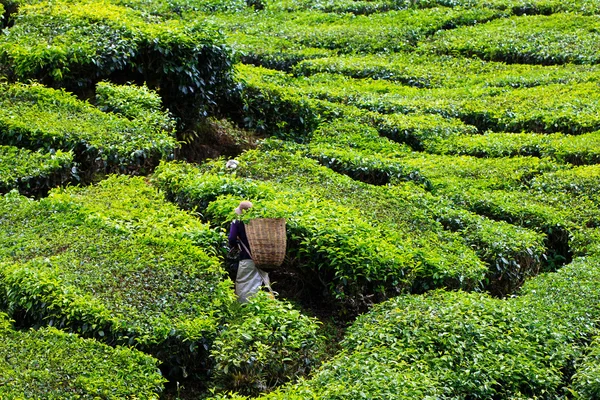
<point>267,239</point>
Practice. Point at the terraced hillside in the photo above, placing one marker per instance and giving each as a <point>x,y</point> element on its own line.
<point>437,163</point>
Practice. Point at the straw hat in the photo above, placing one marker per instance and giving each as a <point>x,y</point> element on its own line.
<point>244,205</point>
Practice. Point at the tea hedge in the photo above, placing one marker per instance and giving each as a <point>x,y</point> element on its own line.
<point>369,7</point>
<point>50,364</point>
<point>577,150</point>
<point>542,109</point>
<point>333,241</point>
<point>117,263</point>
<point>456,345</point>
<point>408,216</point>
<point>39,118</point>
<point>437,71</point>
<point>267,343</point>
<point>135,103</point>
<point>273,103</point>
<point>346,33</point>
<point>33,173</point>
<point>179,8</point>
<point>74,45</point>
<point>561,38</point>
<point>586,381</point>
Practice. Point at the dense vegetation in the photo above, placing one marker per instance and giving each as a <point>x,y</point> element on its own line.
<point>436,162</point>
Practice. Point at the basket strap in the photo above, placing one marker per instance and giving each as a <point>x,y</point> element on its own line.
<point>244,246</point>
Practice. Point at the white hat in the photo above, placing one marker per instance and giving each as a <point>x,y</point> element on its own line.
<point>244,205</point>
<point>233,164</point>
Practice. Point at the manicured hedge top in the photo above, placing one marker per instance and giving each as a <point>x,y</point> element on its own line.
<point>50,364</point>
<point>556,39</point>
<point>346,33</point>
<point>369,7</point>
<point>114,261</point>
<point>37,117</point>
<point>31,171</point>
<point>75,44</point>
<point>341,233</point>
<point>455,345</point>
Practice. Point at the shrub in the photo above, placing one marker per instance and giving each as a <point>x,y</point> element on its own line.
<point>278,104</point>
<point>444,71</point>
<point>44,119</point>
<point>555,39</point>
<point>586,381</point>
<point>117,263</point>
<point>346,251</point>
<point>33,173</point>
<point>51,364</point>
<point>549,108</point>
<point>74,45</point>
<point>130,101</point>
<point>456,344</point>
<point>265,344</point>
<point>578,150</point>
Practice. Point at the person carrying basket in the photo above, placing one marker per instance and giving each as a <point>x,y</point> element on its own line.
<point>249,277</point>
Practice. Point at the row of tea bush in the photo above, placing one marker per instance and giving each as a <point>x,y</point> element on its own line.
<point>75,45</point>
<point>44,120</point>
<point>50,364</point>
<point>469,345</point>
<point>117,263</point>
<point>426,239</point>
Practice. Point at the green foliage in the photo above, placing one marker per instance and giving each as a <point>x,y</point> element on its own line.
<point>517,7</point>
<point>455,345</point>
<point>556,39</point>
<point>118,263</point>
<point>39,118</point>
<point>177,8</point>
<point>73,45</point>
<point>437,71</point>
<point>578,150</point>
<point>279,104</point>
<point>133,102</point>
<point>33,172</point>
<point>433,112</point>
<point>330,237</point>
<point>344,33</point>
<point>586,381</point>
<point>49,364</point>
<point>266,343</point>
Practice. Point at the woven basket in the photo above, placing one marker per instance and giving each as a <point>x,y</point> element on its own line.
<point>267,239</point>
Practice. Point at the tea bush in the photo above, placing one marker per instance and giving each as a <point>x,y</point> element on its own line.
<point>411,219</point>
<point>33,173</point>
<point>455,344</point>
<point>586,381</point>
<point>327,237</point>
<point>117,263</point>
<point>51,364</point>
<point>369,7</point>
<point>541,109</point>
<point>344,33</point>
<point>74,45</point>
<point>179,8</point>
<point>44,119</point>
<point>437,71</point>
<point>276,103</point>
<point>266,344</point>
<point>578,150</point>
<point>561,38</point>
<point>132,102</point>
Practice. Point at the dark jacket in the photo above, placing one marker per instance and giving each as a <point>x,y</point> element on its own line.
<point>237,233</point>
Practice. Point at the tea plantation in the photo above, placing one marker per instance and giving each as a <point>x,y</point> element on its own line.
<point>437,163</point>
